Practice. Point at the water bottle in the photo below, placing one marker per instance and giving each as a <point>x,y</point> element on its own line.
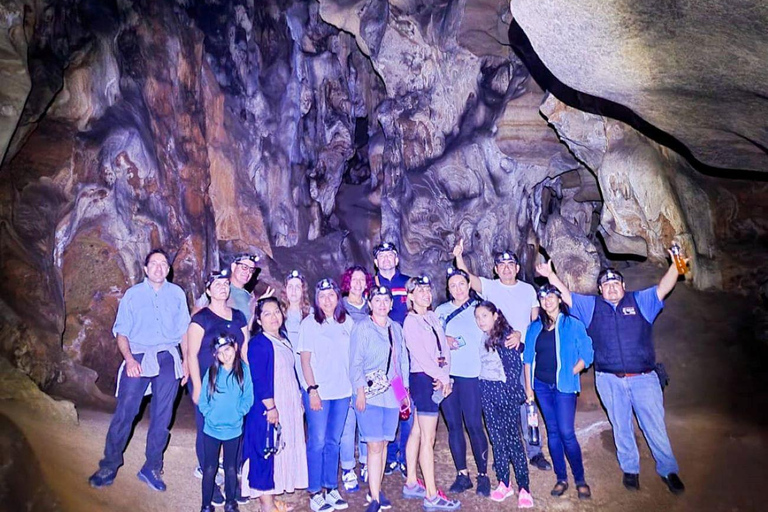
<point>533,425</point>
<point>678,258</point>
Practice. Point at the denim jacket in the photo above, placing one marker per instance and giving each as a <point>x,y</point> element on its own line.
<point>571,344</point>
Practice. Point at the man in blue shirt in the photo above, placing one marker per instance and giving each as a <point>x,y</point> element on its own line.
<point>620,325</point>
<point>388,274</point>
<point>151,320</point>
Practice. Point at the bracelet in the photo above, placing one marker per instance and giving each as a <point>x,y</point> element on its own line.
<point>272,408</point>
<point>312,388</point>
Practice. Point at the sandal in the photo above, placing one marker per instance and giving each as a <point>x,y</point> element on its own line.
<point>559,489</point>
<point>585,492</point>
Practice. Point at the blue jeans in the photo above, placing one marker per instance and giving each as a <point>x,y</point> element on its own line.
<point>348,441</point>
<point>396,449</point>
<point>642,395</point>
<point>164,388</point>
<point>559,410</point>
<point>324,428</point>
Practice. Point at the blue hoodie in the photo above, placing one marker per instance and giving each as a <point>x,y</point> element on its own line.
<point>571,344</point>
<point>224,410</point>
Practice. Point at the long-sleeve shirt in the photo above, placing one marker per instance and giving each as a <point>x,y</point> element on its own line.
<point>369,350</point>
<point>419,331</point>
<point>224,410</point>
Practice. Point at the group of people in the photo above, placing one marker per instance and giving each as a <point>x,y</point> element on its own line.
<point>367,365</point>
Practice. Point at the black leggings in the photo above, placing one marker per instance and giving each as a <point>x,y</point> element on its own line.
<point>211,448</point>
<point>464,402</point>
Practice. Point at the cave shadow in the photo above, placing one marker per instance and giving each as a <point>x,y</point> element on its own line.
<point>523,48</point>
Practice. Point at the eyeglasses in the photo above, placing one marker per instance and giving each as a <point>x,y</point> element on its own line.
<point>247,268</point>
<point>275,443</point>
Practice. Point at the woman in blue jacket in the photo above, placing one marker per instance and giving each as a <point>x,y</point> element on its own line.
<point>558,348</point>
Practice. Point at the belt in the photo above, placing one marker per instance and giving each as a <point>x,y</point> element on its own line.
<point>623,375</point>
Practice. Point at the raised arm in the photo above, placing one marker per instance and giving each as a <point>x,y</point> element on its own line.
<point>545,269</point>
<point>669,280</point>
<point>458,253</point>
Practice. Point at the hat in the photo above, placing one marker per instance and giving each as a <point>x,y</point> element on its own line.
<point>379,290</point>
<point>505,257</point>
<point>294,274</point>
<point>224,273</point>
<point>245,256</point>
<point>453,271</point>
<point>222,340</point>
<point>325,284</point>
<point>609,274</point>
<point>547,289</point>
<point>383,247</point>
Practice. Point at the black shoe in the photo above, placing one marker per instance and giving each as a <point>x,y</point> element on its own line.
<point>373,506</point>
<point>461,484</point>
<point>218,499</point>
<point>207,508</point>
<point>540,462</point>
<point>631,481</point>
<point>674,483</point>
<point>483,485</point>
<point>231,506</point>
<point>390,468</point>
<point>102,478</point>
<point>559,489</point>
<point>152,478</point>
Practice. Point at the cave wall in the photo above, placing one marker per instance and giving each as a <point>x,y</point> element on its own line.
<point>304,132</point>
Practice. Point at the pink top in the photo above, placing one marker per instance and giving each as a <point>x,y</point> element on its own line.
<point>422,345</point>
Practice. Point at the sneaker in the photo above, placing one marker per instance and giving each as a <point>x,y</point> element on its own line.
<point>219,475</point>
<point>390,468</point>
<point>199,472</point>
<point>102,478</point>
<point>242,500</point>
<point>461,484</point>
<point>524,499</point>
<point>218,499</point>
<point>317,503</point>
<point>373,506</point>
<point>540,462</point>
<point>440,502</point>
<point>384,503</point>
<point>152,478</point>
<point>334,499</point>
<point>403,469</point>
<point>631,481</point>
<point>349,479</point>
<point>418,491</point>
<point>364,473</point>
<point>502,492</point>
<point>674,484</point>
<point>231,506</point>
<point>483,485</point>
<point>207,508</point>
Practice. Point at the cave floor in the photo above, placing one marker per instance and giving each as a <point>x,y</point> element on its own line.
<point>715,416</point>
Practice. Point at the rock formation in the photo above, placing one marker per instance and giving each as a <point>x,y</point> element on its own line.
<point>304,132</point>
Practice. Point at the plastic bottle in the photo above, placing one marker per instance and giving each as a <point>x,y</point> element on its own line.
<point>677,256</point>
<point>533,425</point>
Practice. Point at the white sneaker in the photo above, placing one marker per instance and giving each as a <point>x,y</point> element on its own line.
<point>317,503</point>
<point>349,479</point>
<point>219,474</point>
<point>334,499</point>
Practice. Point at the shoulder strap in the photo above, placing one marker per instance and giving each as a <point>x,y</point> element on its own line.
<point>456,312</point>
<point>391,348</point>
<point>437,339</point>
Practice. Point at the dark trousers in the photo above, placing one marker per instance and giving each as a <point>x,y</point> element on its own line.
<point>503,419</point>
<point>464,402</point>
<point>559,410</point>
<point>165,385</point>
<point>211,448</point>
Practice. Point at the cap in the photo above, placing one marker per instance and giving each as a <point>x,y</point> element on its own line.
<point>325,284</point>
<point>224,273</point>
<point>222,340</point>
<point>294,274</point>
<point>609,274</point>
<point>453,271</point>
<point>379,290</point>
<point>547,289</point>
<point>245,256</point>
<point>383,247</point>
<point>505,257</point>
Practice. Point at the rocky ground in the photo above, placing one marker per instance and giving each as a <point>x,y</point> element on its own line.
<point>715,417</point>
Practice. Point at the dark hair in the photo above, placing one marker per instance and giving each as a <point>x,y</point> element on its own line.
<point>256,328</point>
<point>157,251</point>
<point>305,306</point>
<point>237,365</point>
<point>500,329</point>
<point>544,317</point>
<point>473,295</point>
<point>346,278</point>
<point>339,314</point>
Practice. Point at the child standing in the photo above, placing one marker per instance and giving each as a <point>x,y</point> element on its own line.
<point>501,394</point>
<point>227,396</point>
